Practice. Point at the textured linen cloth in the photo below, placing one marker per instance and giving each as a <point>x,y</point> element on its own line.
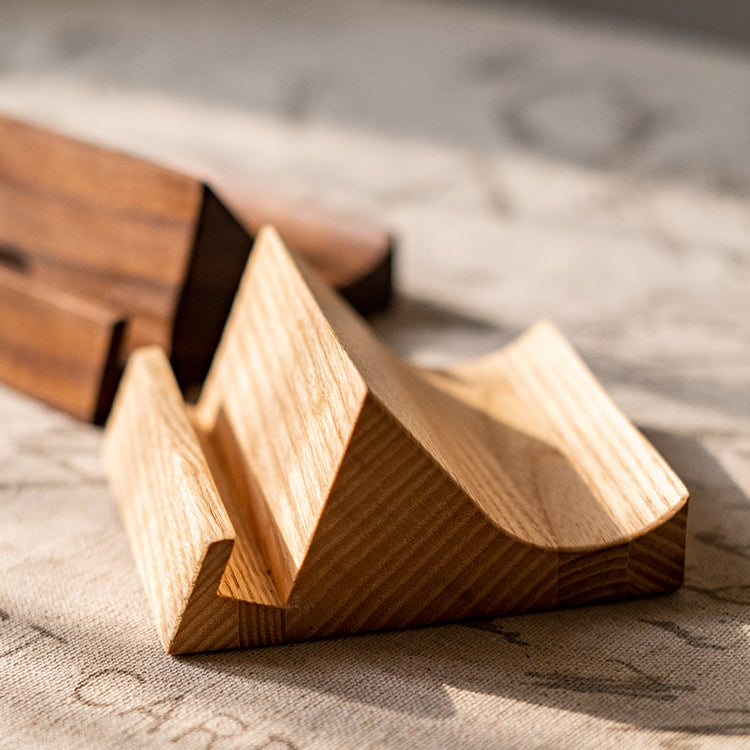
<point>532,170</point>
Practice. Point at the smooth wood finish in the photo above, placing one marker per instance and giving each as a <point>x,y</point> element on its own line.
<point>62,349</point>
<point>363,494</point>
<point>154,246</point>
<point>182,533</point>
<point>98,224</point>
<point>122,233</point>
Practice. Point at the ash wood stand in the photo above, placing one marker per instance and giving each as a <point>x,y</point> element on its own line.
<point>323,486</point>
<point>101,252</point>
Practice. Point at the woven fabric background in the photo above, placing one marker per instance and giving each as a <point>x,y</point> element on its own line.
<point>533,168</point>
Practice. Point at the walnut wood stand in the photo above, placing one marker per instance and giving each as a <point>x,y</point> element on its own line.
<point>322,486</point>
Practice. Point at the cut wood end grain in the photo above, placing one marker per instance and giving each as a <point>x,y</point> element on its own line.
<point>364,494</point>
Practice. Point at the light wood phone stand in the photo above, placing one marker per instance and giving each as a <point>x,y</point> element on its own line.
<point>322,486</point>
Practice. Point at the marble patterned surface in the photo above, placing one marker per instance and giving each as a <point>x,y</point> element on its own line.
<point>533,168</point>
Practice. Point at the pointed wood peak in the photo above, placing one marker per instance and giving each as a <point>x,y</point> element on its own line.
<point>526,433</point>
<point>279,405</point>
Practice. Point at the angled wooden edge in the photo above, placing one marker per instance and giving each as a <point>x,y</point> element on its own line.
<point>57,347</point>
<point>361,494</point>
<point>181,533</point>
<point>99,224</point>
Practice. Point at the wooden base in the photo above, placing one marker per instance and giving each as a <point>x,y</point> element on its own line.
<point>322,486</point>
<point>149,247</point>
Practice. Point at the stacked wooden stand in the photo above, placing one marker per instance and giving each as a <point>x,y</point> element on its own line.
<point>323,486</point>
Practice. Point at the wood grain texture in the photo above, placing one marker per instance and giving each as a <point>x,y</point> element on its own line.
<point>99,224</point>
<point>182,534</point>
<point>57,347</point>
<point>154,245</point>
<point>365,494</point>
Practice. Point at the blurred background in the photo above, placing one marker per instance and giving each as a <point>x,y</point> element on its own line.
<point>563,160</point>
<point>656,90</point>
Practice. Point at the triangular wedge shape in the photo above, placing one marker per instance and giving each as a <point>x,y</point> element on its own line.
<point>361,493</point>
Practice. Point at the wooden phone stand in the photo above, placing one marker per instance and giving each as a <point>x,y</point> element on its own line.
<point>101,252</point>
<point>322,486</point>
